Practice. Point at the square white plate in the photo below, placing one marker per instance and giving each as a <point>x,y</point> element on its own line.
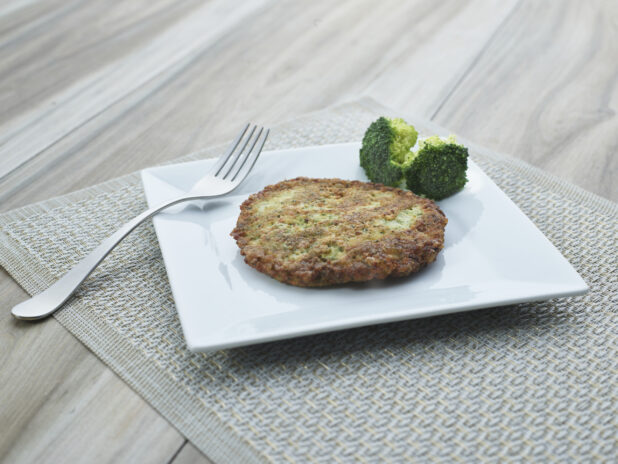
<point>493,255</point>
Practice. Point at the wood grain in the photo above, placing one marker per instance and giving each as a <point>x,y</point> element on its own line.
<point>419,79</point>
<point>545,89</point>
<point>28,134</point>
<point>189,454</point>
<point>59,403</point>
<point>48,46</point>
<point>93,90</point>
<point>246,75</point>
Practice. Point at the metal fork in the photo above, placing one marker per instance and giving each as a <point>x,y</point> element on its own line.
<point>228,173</point>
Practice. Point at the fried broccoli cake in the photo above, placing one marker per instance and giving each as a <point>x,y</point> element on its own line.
<point>318,232</point>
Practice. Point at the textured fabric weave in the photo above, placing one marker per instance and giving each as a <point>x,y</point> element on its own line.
<point>533,382</point>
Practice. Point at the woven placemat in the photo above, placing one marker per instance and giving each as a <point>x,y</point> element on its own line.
<point>533,382</point>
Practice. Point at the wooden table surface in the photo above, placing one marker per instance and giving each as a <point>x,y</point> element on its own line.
<point>84,83</point>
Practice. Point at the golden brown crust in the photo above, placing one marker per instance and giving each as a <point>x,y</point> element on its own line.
<point>318,232</point>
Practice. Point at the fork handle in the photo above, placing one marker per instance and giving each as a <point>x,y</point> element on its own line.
<point>48,301</point>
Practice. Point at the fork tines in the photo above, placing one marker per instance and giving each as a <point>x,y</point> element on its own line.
<point>242,154</point>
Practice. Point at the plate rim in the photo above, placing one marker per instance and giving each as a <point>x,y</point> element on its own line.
<point>374,319</point>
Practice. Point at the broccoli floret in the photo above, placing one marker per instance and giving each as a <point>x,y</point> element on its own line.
<point>386,147</point>
<point>437,169</point>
